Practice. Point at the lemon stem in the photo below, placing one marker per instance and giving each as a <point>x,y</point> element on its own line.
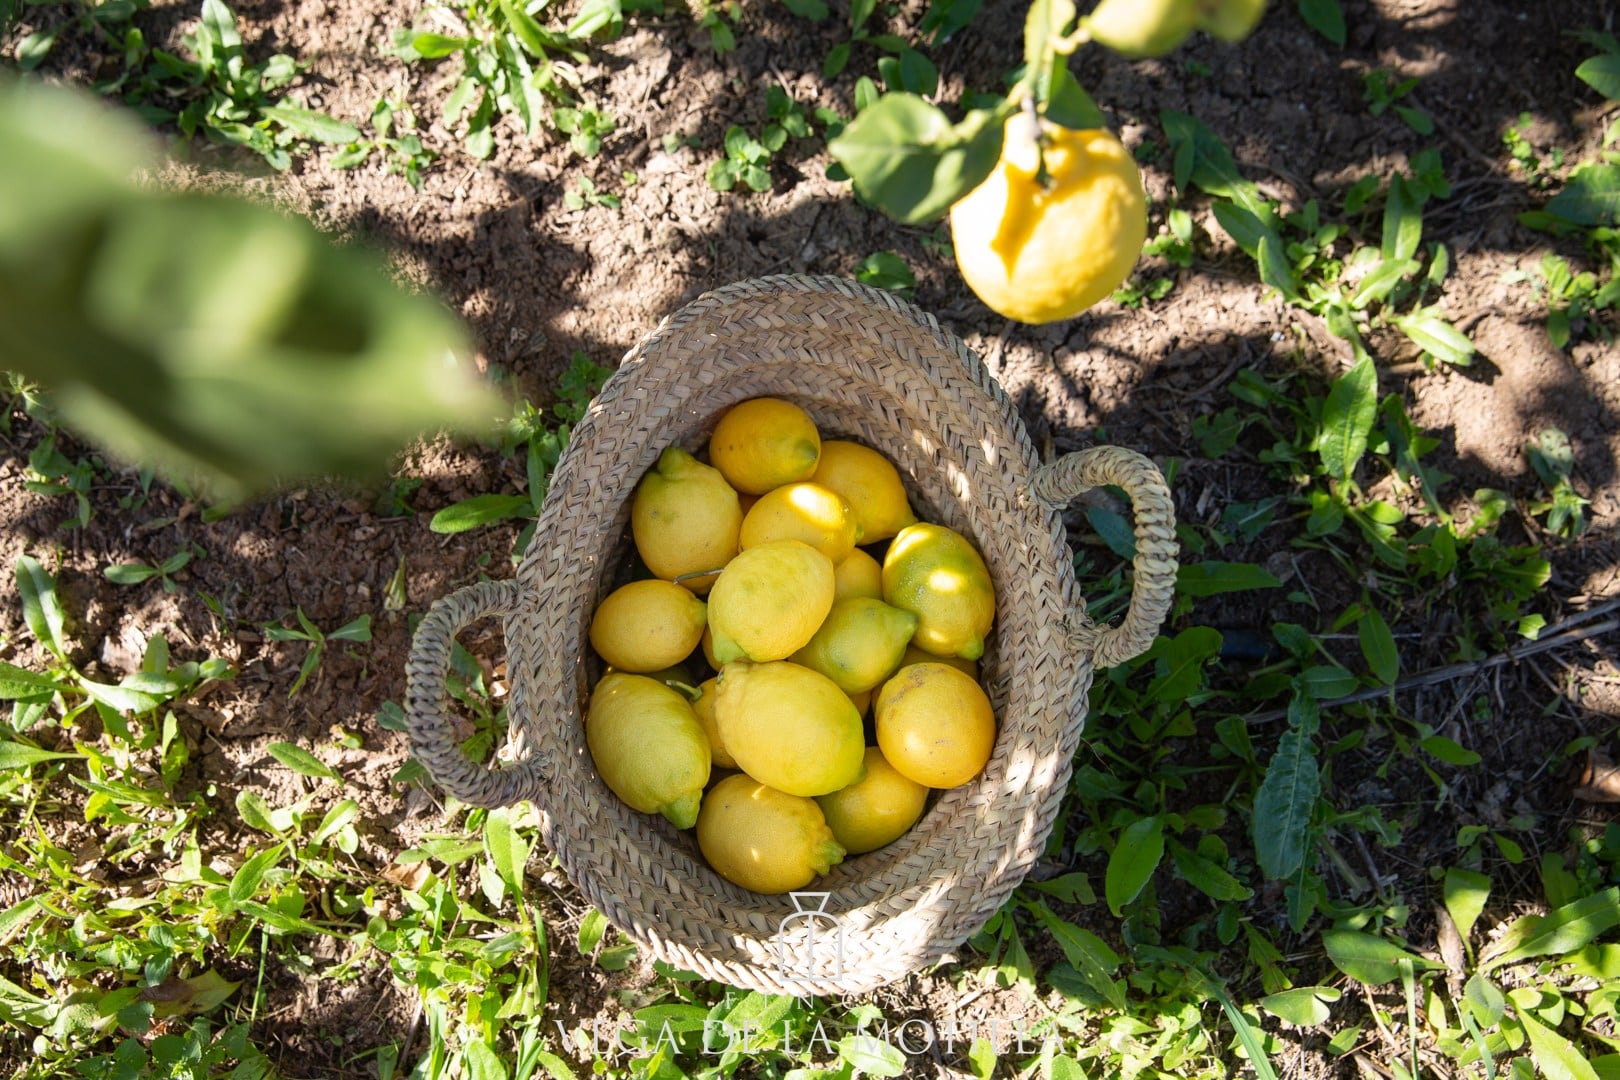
<point>681,579</point>
<point>1042,176</point>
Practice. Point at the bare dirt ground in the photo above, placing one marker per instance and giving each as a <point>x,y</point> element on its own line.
<point>539,282</point>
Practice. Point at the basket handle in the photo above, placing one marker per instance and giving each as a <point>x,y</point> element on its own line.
<point>425,706</point>
<point>1072,475</point>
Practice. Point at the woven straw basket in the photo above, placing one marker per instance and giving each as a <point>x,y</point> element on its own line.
<point>872,368</point>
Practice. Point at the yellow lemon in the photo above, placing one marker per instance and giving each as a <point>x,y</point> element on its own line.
<point>1039,247</point>
<point>764,839</point>
<point>875,810</point>
<point>648,747</point>
<point>765,443</point>
<point>862,701</point>
<point>914,655</point>
<point>647,625</point>
<point>806,512</point>
<point>938,575</point>
<point>858,575</point>
<point>1138,28</point>
<point>935,725</point>
<point>871,485</point>
<point>860,644</point>
<point>703,707</point>
<point>708,648</point>
<point>685,518</point>
<point>789,727</point>
<point>769,601</point>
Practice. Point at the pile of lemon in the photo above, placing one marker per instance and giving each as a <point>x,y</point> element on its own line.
<point>826,599</point>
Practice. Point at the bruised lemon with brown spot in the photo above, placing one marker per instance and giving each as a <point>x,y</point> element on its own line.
<point>1056,226</point>
<point>648,746</point>
<point>764,443</point>
<point>764,839</point>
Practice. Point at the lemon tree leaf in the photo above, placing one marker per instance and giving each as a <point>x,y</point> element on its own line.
<point>907,159</point>
<point>238,360</point>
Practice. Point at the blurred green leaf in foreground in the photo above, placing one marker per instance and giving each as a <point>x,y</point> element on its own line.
<point>228,344</point>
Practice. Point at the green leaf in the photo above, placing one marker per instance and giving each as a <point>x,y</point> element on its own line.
<point>245,882</point>
<point>1325,17</point>
<point>254,811</point>
<point>16,682</point>
<point>129,573</point>
<point>288,337</point>
<point>431,46</point>
<point>301,761</point>
<point>912,163</point>
<point>1091,958</point>
<point>507,850</point>
<point>1347,419</point>
<point>1114,529</point>
<point>312,125</point>
<point>1465,893</point>
<point>1205,876</point>
<point>1068,104</point>
<point>871,1055</point>
<point>1564,930</point>
<point>814,10</point>
<point>885,270</point>
<point>1484,1000</point>
<point>1378,647</point>
<point>1179,662</point>
<point>341,814</point>
<point>478,511</point>
<point>1210,578</point>
<point>591,928</point>
<point>15,755</point>
<point>1591,198</point>
<point>1306,1006</point>
<point>1555,1056</point>
<point>1366,958</point>
<point>1284,804</point>
<point>1602,73</point>
<point>1131,865</point>
<point>1403,221</point>
<point>1437,337</point>
<point>37,590</point>
<point>527,31</point>
<point>1449,751</point>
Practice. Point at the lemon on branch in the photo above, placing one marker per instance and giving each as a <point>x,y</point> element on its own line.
<point>1056,226</point>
